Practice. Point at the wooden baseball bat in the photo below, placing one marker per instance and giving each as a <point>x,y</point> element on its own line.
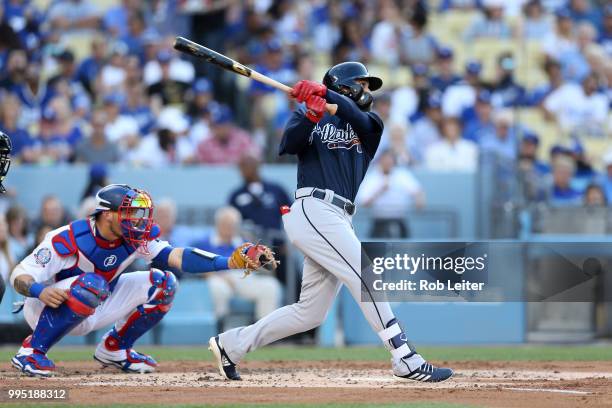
<point>189,47</point>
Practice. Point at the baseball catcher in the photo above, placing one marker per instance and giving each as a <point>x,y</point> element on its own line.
<point>74,283</point>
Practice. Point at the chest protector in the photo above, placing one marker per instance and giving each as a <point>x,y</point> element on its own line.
<point>93,255</point>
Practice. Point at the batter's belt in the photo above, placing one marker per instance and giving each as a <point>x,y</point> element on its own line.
<point>327,195</point>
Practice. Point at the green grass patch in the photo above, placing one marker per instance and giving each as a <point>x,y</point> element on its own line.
<point>501,353</point>
<point>407,405</point>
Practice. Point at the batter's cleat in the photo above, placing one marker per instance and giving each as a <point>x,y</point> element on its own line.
<point>428,373</point>
<point>128,360</point>
<point>226,368</point>
<point>32,362</point>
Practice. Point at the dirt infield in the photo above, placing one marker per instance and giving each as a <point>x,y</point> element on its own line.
<point>482,384</point>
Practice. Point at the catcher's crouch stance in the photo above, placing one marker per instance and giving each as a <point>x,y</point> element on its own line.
<point>74,282</point>
<point>334,153</point>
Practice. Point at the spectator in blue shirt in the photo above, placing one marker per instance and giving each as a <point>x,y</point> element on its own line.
<point>582,11</point>
<point>273,65</point>
<point>135,38</point>
<point>258,200</point>
<point>506,91</point>
<point>562,192</point>
<point>24,147</point>
<point>574,63</point>
<point>502,143</point>
<point>491,24</point>
<point>528,153</point>
<point>555,79</point>
<point>478,120</point>
<point>137,107</point>
<point>115,19</point>
<point>418,45</point>
<point>536,23</point>
<point>201,97</point>
<point>13,74</point>
<point>606,178</point>
<point>605,34</point>
<point>90,67</point>
<point>445,75</point>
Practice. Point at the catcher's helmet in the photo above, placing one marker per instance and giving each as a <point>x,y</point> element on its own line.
<point>134,208</point>
<point>5,158</point>
<point>110,198</point>
<point>342,79</point>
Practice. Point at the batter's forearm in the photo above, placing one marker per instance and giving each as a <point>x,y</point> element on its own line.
<point>348,111</point>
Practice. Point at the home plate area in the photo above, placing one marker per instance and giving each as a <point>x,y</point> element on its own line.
<point>483,384</point>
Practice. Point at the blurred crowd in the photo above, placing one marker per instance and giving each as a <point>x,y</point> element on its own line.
<point>83,81</point>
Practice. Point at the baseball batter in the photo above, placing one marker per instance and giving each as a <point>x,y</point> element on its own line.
<point>334,152</point>
<point>74,281</point>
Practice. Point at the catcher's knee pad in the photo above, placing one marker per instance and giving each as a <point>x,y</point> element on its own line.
<point>164,286</point>
<point>86,293</point>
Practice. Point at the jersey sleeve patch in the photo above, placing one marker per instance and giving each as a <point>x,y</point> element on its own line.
<point>63,244</point>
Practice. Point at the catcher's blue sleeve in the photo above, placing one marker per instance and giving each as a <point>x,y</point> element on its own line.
<point>194,260</point>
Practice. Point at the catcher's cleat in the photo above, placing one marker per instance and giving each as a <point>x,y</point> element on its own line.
<point>427,373</point>
<point>128,360</point>
<point>226,368</point>
<point>32,362</point>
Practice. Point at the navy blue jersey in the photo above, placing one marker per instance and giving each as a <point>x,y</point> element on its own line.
<point>336,152</point>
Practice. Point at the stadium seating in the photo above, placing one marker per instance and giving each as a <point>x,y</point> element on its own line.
<point>441,322</point>
<point>191,319</point>
<point>6,307</point>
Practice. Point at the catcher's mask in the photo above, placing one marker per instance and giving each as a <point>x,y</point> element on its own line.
<point>134,209</point>
<point>5,158</point>
<point>136,218</point>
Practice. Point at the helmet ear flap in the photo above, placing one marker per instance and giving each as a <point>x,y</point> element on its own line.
<point>365,101</point>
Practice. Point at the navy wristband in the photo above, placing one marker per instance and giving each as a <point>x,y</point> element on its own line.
<point>36,289</point>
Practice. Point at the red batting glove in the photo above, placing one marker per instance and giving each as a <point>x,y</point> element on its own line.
<point>303,89</point>
<point>315,108</point>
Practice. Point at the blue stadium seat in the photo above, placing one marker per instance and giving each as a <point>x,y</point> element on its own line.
<point>441,322</point>
<point>6,307</point>
<point>191,319</point>
<point>326,335</point>
<point>240,305</point>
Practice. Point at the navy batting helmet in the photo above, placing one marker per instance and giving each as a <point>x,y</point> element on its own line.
<point>343,77</point>
<point>5,158</point>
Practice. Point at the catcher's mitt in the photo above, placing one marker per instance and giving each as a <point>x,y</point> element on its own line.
<point>251,257</point>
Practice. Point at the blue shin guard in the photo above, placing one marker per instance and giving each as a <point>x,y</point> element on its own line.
<point>85,294</point>
<point>144,317</point>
